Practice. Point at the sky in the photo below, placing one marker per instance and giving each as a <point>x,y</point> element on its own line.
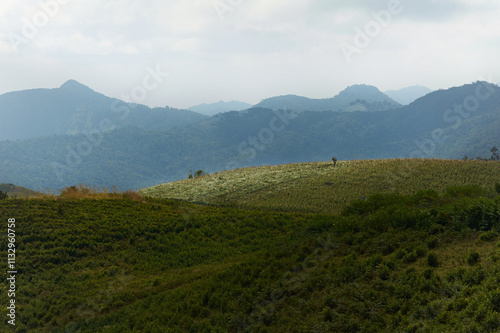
<point>181,53</point>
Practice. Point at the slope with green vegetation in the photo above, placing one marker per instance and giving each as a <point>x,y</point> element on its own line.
<point>130,157</point>
<point>425,262</point>
<point>323,187</point>
<point>14,191</point>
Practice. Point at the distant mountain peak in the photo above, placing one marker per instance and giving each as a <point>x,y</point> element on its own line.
<point>73,84</point>
<point>360,89</point>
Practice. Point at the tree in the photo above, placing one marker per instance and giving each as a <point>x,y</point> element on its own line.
<point>199,173</point>
<point>334,160</point>
<point>494,154</point>
<point>3,195</point>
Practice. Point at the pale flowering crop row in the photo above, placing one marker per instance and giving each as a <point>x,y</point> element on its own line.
<point>321,187</point>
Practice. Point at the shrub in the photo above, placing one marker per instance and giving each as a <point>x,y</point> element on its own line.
<point>495,300</point>
<point>3,195</point>
<point>410,257</point>
<point>488,236</point>
<point>492,323</point>
<point>473,258</point>
<point>432,242</point>
<point>497,188</point>
<point>474,277</point>
<point>465,191</point>
<point>327,314</point>
<point>432,260</point>
<point>134,196</point>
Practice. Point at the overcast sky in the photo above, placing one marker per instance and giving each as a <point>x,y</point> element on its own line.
<point>246,50</point>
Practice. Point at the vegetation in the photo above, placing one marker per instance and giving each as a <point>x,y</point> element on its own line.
<point>14,191</point>
<point>494,154</point>
<point>197,174</point>
<point>152,151</point>
<point>319,188</point>
<point>93,261</point>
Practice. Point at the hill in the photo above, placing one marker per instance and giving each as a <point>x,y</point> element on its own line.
<point>390,263</point>
<point>437,125</point>
<point>408,95</point>
<point>353,98</point>
<point>14,191</point>
<point>323,188</point>
<point>219,107</point>
<point>76,109</point>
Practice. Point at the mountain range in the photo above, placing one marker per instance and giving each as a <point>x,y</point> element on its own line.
<point>353,98</point>
<point>150,150</point>
<point>220,107</point>
<point>76,109</point>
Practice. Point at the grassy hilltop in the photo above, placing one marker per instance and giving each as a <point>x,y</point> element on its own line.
<point>322,188</point>
<point>422,255</point>
<point>14,191</point>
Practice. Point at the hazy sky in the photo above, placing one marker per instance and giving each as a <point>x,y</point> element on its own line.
<point>246,50</point>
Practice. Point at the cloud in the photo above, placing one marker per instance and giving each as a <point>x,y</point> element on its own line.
<point>261,48</point>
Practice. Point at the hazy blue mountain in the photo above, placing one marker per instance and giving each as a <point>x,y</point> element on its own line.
<point>75,109</point>
<point>408,95</point>
<point>353,98</point>
<point>437,125</point>
<point>219,107</point>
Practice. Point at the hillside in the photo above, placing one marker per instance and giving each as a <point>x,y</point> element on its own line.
<point>353,98</point>
<point>323,188</point>
<point>76,109</point>
<point>391,263</point>
<point>130,157</point>
<point>14,191</point>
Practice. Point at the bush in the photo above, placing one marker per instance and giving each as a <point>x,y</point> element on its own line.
<point>488,236</point>
<point>3,195</point>
<point>473,258</point>
<point>432,242</point>
<point>474,277</point>
<point>495,300</point>
<point>465,191</point>
<point>497,188</point>
<point>432,260</point>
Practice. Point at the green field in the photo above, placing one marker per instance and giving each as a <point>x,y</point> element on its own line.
<point>321,187</point>
<point>425,261</point>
